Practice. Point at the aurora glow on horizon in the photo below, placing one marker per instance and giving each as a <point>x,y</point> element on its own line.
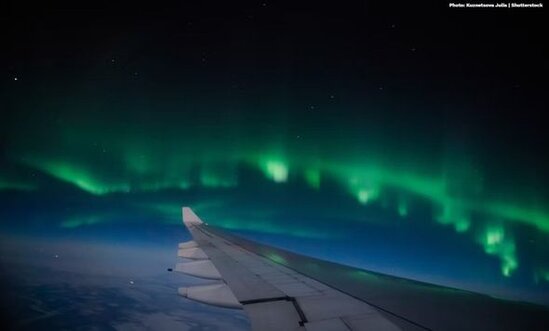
<point>299,153</point>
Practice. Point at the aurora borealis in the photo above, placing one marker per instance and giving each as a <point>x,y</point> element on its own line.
<point>367,136</point>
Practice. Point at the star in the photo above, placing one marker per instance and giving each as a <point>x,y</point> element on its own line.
<point>15,78</point>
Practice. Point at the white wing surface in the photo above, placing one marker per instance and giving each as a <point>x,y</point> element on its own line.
<point>280,290</point>
<point>274,296</point>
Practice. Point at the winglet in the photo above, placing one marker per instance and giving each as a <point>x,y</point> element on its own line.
<point>190,218</point>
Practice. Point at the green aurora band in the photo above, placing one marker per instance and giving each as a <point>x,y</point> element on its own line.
<point>365,183</point>
<point>128,156</point>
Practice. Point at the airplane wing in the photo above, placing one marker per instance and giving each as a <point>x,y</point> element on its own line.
<point>280,290</point>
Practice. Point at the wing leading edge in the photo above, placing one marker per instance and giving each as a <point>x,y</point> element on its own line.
<point>280,290</point>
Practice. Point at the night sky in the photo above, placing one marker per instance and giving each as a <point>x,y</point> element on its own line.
<point>405,139</point>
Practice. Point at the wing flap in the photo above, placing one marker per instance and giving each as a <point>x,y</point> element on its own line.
<point>193,253</point>
<point>202,269</point>
<point>188,244</point>
<point>213,294</point>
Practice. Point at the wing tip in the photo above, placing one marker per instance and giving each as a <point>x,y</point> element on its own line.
<point>189,217</point>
